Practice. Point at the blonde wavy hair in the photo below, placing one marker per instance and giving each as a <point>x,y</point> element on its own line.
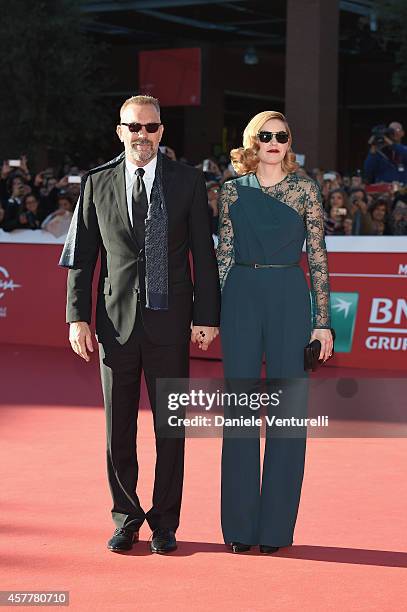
<point>245,159</point>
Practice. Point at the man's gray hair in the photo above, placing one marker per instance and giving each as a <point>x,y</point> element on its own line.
<point>141,100</point>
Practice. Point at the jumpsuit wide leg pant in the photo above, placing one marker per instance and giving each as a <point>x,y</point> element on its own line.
<point>264,312</point>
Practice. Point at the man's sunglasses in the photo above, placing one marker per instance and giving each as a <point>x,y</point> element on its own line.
<point>151,128</point>
<point>281,137</point>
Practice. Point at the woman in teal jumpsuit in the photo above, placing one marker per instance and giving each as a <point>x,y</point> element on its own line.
<point>264,218</point>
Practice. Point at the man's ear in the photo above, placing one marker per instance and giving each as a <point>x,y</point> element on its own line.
<point>119,132</point>
<point>162,132</point>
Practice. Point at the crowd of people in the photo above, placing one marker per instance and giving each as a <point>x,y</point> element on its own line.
<point>372,202</point>
<point>44,201</point>
<point>351,206</point>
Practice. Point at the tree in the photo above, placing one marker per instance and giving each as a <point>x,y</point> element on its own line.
<point>392,18</point>
<point>52,76</point>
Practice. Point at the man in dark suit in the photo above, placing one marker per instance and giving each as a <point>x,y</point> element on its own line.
<point>144,214</point>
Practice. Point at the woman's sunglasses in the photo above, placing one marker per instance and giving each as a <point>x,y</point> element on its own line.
<point>281,137</point>
<point>136,127</point>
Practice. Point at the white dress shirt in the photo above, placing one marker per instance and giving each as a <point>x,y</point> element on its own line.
<point>148,178</point>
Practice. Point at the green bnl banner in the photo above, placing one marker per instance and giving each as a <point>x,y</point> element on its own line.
<point>344,307</point>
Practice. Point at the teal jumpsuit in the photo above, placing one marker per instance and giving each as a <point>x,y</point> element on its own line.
<point>267,312</point>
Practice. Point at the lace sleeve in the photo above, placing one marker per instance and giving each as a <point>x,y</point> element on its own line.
<point>225,251</point>
<point>317,258</point>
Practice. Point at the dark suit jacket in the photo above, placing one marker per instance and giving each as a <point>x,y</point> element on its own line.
<point>103,225</point>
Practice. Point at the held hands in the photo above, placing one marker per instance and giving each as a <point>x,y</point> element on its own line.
<point>326,340</point>
<point>80,338</point>
<point>203,336</point>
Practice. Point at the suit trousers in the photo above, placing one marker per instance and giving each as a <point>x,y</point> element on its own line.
<point>121,367</point>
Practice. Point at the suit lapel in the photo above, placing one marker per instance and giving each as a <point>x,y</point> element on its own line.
<point>168,175</point>
<point>119,188</point>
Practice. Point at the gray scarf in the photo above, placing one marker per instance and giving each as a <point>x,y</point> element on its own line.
<point>156,244</point>
<point>156,237</point>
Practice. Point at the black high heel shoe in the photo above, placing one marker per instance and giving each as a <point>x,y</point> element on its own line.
<point>268,550</point>
<point>238,547</point>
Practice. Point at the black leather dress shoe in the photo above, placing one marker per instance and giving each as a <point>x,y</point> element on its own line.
<point>122,539</point>
<point>163,541</point>
<point>238,547</point>
<point>268,550</point>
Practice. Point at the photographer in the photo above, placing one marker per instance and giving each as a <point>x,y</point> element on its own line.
<point>356,180</point>
<point>335,213</point>
<point>398,219</point>
<point>46,190</point>
<point>58,221</point>
<point>379,214</point>
<point>29,215</point>
<point>387,160</point>
<point>14,192</point>
<point>362,221</point>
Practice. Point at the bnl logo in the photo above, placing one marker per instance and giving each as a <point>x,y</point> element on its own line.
<point>344,307</point>
<point>387,322</point>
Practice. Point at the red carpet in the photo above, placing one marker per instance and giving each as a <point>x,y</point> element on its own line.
<point>350,545</point>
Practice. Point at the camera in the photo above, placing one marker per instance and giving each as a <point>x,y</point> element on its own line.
<point>379,132</point>
<point>341,212</point>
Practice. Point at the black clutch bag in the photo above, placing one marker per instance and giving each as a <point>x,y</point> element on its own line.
<point>311,354</point>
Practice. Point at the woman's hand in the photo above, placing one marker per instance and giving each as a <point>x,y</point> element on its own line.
<point>203,335</point>
<point>326,340</point>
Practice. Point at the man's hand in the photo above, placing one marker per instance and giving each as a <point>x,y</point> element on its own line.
<point>203,336</point>
<point>80,338</point>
